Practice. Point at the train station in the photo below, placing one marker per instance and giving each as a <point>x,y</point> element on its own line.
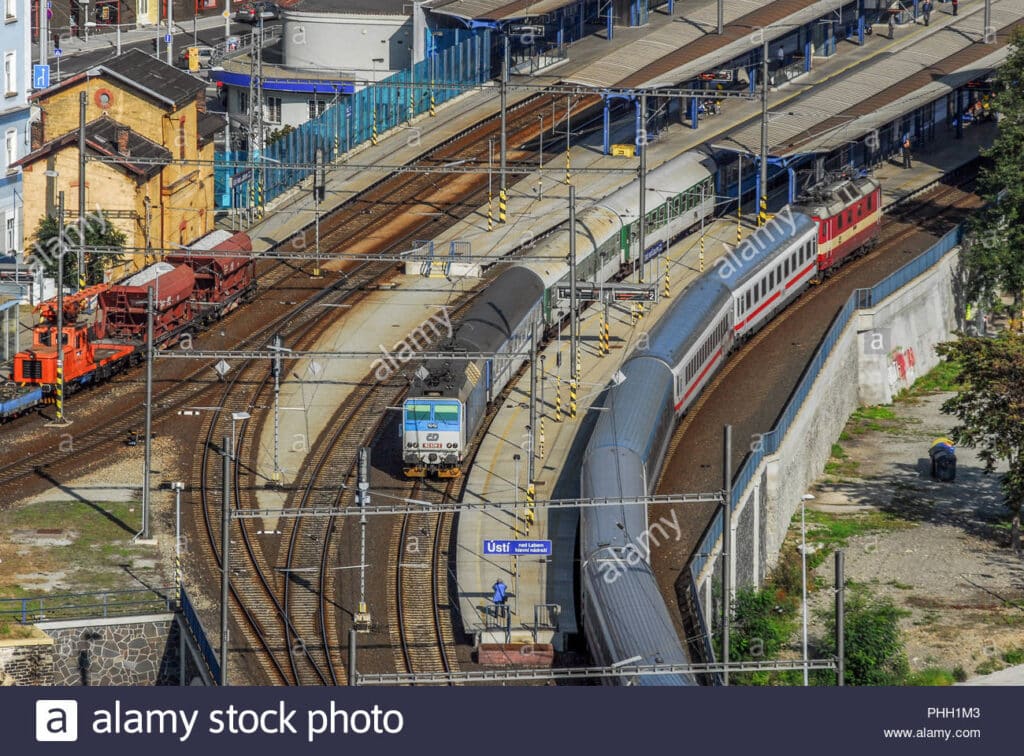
<point>522,333</point>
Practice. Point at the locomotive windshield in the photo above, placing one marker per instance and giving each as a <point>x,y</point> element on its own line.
<point>417,412</point>
<point>446,413</point>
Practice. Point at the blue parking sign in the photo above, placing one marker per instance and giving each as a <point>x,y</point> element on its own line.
<point>40,77</point>
<point>167,38</point>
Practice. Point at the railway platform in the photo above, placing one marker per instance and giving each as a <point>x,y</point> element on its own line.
<point>541,605</point>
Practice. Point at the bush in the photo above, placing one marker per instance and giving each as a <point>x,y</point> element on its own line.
<point>874,649</point>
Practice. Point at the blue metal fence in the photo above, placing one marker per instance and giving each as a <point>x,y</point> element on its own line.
<point>860,299</point>
<point>192,620</point>
<point>350,121</point>
<point>85,606</point>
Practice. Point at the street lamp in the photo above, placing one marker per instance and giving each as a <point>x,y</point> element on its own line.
<point>803,569</point>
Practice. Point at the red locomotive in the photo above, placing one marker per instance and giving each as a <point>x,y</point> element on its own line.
<point>848,213</point>
<point>191,289</point>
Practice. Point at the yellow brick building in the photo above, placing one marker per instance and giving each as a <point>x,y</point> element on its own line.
<point>149,142</point>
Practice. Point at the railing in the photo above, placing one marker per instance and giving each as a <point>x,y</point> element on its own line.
<point>196,627</point>
<point>84,606</point>
<point>859,299</point>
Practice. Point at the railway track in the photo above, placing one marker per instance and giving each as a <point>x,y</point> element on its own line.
<point>384,216</point>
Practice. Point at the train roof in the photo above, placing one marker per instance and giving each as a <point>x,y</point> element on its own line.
<point>689,314</point>
<point>595,226</point>
<point>668,179</point>
<point>762,247</point>
<point>496,313</point>
<point>828,199</point>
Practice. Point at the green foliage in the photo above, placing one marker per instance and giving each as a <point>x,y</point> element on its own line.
<point>874,648</point>
<point>763,620</point>
<point>99,232</point>
<point>990,409</point>
<point>992,258</point>
<point>278,134</point>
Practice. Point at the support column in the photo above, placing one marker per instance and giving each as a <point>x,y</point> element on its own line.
<point>959,114</point>
<point>607,126</point>
<point>694,116</point>
<point>792,185</point>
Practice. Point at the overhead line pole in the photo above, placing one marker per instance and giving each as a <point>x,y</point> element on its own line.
<point>762,215</point>
<point>81,191</point>
<point>503,188</point>
<point>225,560</point>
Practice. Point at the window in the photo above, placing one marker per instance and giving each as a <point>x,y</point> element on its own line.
<point>417,412</point>
<point>10,73</point>
<point>317,108</point>
<point>12,231</point>
<point>10,148</point>
<point>871,202</point>
<point>273,110</point>
<point>11,9</point>
<point>243,102</point>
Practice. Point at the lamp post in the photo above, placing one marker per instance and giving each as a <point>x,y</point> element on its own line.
<point>540,157</point>
<point>803,569</point>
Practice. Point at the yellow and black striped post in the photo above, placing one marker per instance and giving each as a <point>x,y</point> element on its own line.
<point>572,400</point>
<point>502,205</point>
<point>579,362</point>
<point>336,137</point>
<point>540,440</point>
<point>490,212</point>
<point>600,337</point>
<point>531,496</point>
<point>178,575</point>
<point>762,216</point>
<point>81,279</point>
<point>433,106</point>
<point>607,337</point>
<point>668,280</point>
<point>640,312</point>
<point>701,260</point>
<point>373,126</point>
<point>60,388</point>
<point>558,400</point>
<point>568,168</point>
<point>632,313</point>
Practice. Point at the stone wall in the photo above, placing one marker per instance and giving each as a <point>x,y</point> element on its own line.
<point>27,661</point>
<point>121,651</point>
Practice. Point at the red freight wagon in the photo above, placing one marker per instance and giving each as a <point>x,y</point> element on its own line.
<point>220,279</point>
<point>123,307</point>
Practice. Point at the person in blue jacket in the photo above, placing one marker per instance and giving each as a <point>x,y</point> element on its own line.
<point>500,597</point>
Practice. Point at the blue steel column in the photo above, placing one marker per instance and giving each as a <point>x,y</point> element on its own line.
<point>639,129</point>
<point>792,185</point>
<point>959,115</point>
<point>611,23</point>
<point>607,126</point>
<point>671,7</point>
<point>692,107</point>
<point>915,10</point>
<point>807,56</point>
<point>860,30</point>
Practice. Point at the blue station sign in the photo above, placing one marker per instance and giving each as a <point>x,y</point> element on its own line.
<point>517,548</point>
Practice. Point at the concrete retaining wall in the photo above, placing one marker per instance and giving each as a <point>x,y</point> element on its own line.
<point>880,352</point>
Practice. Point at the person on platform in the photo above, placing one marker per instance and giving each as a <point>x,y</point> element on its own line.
<point>500,597</point>
<point>956,5</point>
<point>926,10</point>
<point>906,151</point>
<point>892,26</point>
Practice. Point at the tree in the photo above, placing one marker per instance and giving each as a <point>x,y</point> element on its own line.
<point>98,233</point>
<point>993,258</point>
<point>990,409</point>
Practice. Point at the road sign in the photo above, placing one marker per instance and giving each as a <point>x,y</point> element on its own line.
<point>57,52</point>
<point>226,14</point>
<point>518,548</point>
<point>241,177</point>
<point>167,38</point>
<point>654,250</point>
<point>40,76</point>
<point>222,368</point>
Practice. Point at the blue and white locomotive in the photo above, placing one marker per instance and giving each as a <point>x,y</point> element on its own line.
<point>449,397</point>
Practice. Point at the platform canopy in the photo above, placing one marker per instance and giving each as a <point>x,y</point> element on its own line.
<point>894,85</point>
<point>495,10</point>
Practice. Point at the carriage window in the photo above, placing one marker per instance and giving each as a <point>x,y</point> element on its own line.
<point>446,413</point>
<point>749,292</point>
<point>417,412</point>
<point>871,202</point>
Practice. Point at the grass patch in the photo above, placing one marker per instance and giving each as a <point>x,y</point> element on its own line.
<point>942,378</point>
<point>840,464</point>
<point>932,676</point>
<point>90,544</point>
<point>15,631</point>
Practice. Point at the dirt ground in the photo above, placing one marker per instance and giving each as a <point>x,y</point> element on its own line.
<point>941,552</point>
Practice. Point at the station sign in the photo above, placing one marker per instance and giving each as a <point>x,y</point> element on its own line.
<point>240,178</point>
<point>517,548</point>
<point>724,75</point>
<point>610,292</point>
<point>533,31</point>
<point>654,250</point>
